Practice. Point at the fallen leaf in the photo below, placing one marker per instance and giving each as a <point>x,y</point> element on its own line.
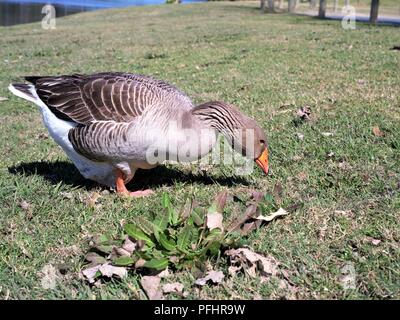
<point>300,136</point>
<point>290,291</point>
<point>151,285</point>
<point>90,273</point>
<point>164,274</point>
<point>109,271</point>
<point>49,277</point>
<point>94,258</point>
<point>272,216</point>
<point>24,205</point>
<point>233,270</point>
<point>251,261</point>
<point>106,270</point>
<point>327,134</point>
<point>175,287</point>
<point>250,226</point>
<point>304,113</point>
<point>373,241</point>
<point>220,201</point>
<point>214,221</point>
<point>119,252</point>
<point>213,276</point>
<point>129,246</point>
<point>377,132</point>
<point>140,263</point>
<point>251,210</point>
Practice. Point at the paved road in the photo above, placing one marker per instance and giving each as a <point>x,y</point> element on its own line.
<point>386,20</point>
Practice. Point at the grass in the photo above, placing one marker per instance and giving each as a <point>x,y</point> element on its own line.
<point>269,66</point>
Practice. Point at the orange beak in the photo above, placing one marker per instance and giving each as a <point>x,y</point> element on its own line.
<point>262,161</point>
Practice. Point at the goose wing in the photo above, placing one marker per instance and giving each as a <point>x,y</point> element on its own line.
<point>118,97</point>
<point>104,105</point>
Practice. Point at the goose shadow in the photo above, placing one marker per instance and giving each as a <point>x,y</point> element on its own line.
<point>66,172</point>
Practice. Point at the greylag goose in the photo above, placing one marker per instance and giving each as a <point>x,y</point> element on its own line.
<point>111,124</point>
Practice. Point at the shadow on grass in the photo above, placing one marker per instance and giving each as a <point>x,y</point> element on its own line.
<point>66,172</point>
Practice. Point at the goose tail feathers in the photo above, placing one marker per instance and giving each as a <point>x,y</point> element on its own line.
<point>23,90</point>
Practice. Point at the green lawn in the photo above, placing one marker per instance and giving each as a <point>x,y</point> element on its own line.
<point>269,66</point>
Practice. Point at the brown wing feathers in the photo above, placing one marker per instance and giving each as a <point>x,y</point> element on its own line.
<point>101,140</point>
<point>102,104</point>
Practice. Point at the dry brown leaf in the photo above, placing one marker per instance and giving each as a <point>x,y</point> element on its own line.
<point>213,276</point>
<point>94,259</point>
<point>272,216</point>
<point>164,274</point>
<point>250,226</point>
<point>24,205</point>
<point>119,252</point>
<point>109,270</point>
<point>290,291</point>
<point>214,221</point>
<point>304,113</point>
<point>90,273</point>
<point>151,285</point>
<point>251,261</point>
<point>300,136</point>
<point>106,270</point>
<point>220,201</point>
<point>129,246</point>
<point>233,270</point>
<point>175,287</point>
<point>373,241</point>
<point>251,210</point>
<point>140,263</point>
<point>377,132</point>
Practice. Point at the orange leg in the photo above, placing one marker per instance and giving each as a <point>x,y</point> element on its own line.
<point>119,182</point>
<point>121,188</point>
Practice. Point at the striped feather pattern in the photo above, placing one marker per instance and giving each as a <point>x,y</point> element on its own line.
<point>101,140</point>
<point>114,96</point>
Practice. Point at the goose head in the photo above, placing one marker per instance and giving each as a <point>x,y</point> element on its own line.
<point>246,136</point>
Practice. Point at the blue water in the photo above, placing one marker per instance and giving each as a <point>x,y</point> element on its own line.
<point>25,11</point>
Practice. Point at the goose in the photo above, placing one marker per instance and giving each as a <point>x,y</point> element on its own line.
<point>111,124</point>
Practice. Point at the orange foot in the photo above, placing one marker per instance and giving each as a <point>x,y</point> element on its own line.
<point>121,188</point>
